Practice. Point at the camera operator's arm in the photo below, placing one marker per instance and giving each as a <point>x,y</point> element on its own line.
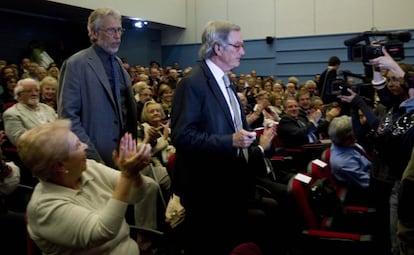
<point>379,82</point>
<point>358,103</point>
<point>385,62</point>
<point>388,63</point>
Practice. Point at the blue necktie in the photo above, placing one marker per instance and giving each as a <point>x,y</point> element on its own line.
<point>115,85</point>
<point>311,136</point>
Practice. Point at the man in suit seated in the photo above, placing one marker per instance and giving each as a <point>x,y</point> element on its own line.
<point>294,130</point>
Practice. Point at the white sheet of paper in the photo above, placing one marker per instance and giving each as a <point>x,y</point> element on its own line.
<point>303,178</point>
<point>319,163</point>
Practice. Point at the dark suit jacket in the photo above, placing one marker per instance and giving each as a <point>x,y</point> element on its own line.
<point>291,134</point>
<point>325,86</point>
<point>209,176</point>
<point>85,97</point>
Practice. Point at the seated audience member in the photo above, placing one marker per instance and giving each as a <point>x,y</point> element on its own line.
<point>311,86</point>
<point>251,116</point>
<point>54,72</point>
<point>268,115</point>
<point>304,101</point>
<point>279,89</point>
<point>9,174</point>
<point>349,162</point>
<point>48,87</point>
<point>278,216</point>
<point>143,93</point>
<point>132,71</point>
<point>290,90</point>
<point>265,175</point>
<point>165,98</point>
<point>12,221</point>
<point>79,204</point>
<point>294,131</point>
<point>156,133</point>
<point>329,112</point>
<point>41,73</point>
<point>28,112</point>
<point>7,98</point>
<point>276,100</point>
<point>31,71</point>
<point>317,103</point>
<point>241,85</point>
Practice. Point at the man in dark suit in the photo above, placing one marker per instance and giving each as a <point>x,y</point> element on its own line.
<point>95,96</point>
<point>211,174</point>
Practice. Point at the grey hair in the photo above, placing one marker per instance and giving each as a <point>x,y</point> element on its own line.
<point>215,32</point>
<point>340,129</point>
<point>19,86</point>
<point>310,82</point>
<point>95,20</point>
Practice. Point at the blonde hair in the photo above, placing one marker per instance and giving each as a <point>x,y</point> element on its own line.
<point>145,113</point>
<point>164,88</point>
<point>294,80</point>
<point>138,87</point>
<point>40,159</point>
<point>48,80</point>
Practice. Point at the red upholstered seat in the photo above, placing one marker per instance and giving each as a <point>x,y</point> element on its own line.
<point>327,229</point>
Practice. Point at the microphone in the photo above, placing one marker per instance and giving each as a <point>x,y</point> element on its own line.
<point>403,36</point>
<point>354,40</point>
<point>349,73</point>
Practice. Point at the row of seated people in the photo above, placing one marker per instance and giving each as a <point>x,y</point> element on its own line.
<point>28,113</point>
<point>351,167</point>
<point>156,132</point>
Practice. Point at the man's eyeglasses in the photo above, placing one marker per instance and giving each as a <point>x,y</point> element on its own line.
<point>113,30</point>
<point>237,46</point>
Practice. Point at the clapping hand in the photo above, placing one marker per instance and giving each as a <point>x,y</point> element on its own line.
<point>132,158</point>
<point>152,134</point>
<point>267,137</point>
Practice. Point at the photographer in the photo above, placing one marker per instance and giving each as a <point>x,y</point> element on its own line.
<point>328,76</point>
<point>393,135</point>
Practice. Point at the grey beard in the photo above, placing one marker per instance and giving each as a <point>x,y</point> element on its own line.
<point>33,102</point>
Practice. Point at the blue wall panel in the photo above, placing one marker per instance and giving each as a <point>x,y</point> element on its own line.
<point>300,56</point>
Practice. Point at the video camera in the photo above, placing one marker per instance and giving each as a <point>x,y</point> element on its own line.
<point>361,48</point>
<point>363,88</point>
